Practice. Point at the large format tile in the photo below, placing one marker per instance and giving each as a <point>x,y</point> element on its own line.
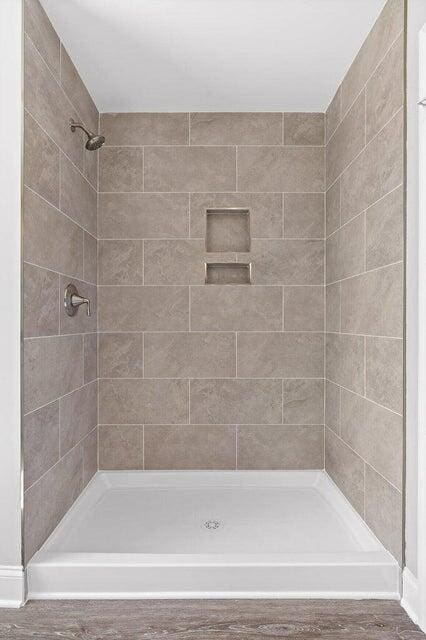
<point>236,128</point>
<point>304,215</point>
<point>38,26</point>
<point>77,92</point>
<point>280,447</point>
<point>77,197</point>
<point>143,308</point>
<point>121,169</point>
<point>120,355</point>
<point>190,355</point>
<point>90,357</point>
<point>347,141</point>
<point>332,307</point>
<point>78,413</point>
<point>276,168</point>
<point>303,128</point>
<point>143,402</point>
<point>287,262</point>
<point>236,308</point>
<point>375,433</point>
<point>40,434</point>
<point>332,208</point>
<point>52,368</point>
<point>41,161</point>
<point>174,261</point>
<point>345,250</point>
<point>90,266</point>
<point>144,128</point>
<point>90,455</point>
<point>190,447</point>
<point>346,469</point>
<point>41,309</point>
<point>143,215</point>
<point>304,308</point>
<point>120,262</point>
<point>345,361</point>
<point>80,322</point>
<point>121,446</point>
<point>384,372</point>
<point>333,114</point>
<point>189,169</point>
<point>280,355</point>
<point>303,401</point>
<point>385,230</point>
<point>332,406</point>
<point>236,401</point>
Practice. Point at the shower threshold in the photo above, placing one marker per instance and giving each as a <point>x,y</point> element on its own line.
<point>212,534</point>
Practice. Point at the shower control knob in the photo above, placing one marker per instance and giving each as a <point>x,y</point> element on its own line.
<point>73,300</point>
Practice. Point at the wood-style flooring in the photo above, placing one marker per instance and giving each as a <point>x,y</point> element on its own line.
<point>208,620</point>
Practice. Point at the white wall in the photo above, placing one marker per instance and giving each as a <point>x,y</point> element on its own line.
<point>11,575</point>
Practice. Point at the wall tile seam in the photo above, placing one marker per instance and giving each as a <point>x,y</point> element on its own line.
<point>206,191</point>
<point>364,335</point>
<point>201,284</point>
<point>209,424</point>
<point>214,146</point>
<point>67,275</point>
<point>364,397</point>
<point>361,273</point>
<point>46,404</point>
<point>60,335</point>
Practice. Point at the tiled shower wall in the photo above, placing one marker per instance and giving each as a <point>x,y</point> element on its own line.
<point>59,237</point>
<point>200,376</point>
<point>364,275</point>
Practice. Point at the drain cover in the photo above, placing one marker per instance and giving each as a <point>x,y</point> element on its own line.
<point>212,524</point>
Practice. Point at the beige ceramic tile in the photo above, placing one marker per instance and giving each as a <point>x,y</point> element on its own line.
<point>332,406</point>
<point>345,361</point>
<point>333,114</point>
<point>121,446</point>
<point>120,355</point>
<point>236,401</point>
<point>303,401</point>
<point>145,128</point>
<point>384,372</point>
<point>174,261</point>
<point>78,415</point>
<point>90,455</point>
<point>287,262</point>
<point>190,355</point>
<point>90,266</point>
<point>236,308</point>
<point>280,447</point>
<point>236,128</point>
<point>41,308</point>
<point>332,206</point>
<point>77,92</point>
<point>332,311</point>
<point>143,215</point>
<point>189,169</point>
<point>121,169</point>
<point>41,161</point>
<point>304,128</point>
<point>280,355</point>
<point>90,341</point>
<point>346,469</point>
<point>38,26</point>
<point>385,230</point>
<point>120,262</point>
<point>347,141</point>
<point>40,433</point>
<point>346,250</point>
<point>304,308</point>
<point>80,322</point>
<point>304,215</point>
<point>78,198</point>
<point>190,447</point>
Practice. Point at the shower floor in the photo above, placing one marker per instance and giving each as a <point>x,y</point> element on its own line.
<point>212,534</point>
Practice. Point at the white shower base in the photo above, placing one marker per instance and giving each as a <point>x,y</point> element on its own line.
<point>284,534</point>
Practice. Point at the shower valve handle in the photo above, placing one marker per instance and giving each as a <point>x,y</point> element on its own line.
<point>73,300</point>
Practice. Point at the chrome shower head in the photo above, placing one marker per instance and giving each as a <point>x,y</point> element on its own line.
<point>94,141</point>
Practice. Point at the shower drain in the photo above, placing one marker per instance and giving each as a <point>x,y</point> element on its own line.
<point>212,524</point>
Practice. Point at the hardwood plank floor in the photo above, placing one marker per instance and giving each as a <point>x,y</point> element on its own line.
<point>208,620</point>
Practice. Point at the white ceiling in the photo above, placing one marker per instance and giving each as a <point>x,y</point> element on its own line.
<point>212,55</point>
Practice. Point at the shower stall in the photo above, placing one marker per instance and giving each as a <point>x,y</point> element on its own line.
<point>213,337</point>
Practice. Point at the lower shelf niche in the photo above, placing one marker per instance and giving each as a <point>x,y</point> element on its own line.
<point>228,273</point>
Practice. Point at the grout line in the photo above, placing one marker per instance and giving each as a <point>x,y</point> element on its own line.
<point>364,397</point>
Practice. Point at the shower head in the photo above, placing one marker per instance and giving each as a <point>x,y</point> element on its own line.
<point>94,141</point>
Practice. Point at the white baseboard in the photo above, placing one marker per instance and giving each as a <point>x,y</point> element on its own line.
<point>12,586</point>
<point>410,594</point>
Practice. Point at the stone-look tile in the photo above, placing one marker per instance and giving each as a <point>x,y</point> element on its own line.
<point>143,402</point>
<point>143,215</point>
<point>385,89</point>
<point>47,501</point>
<point>228,232</point>
<point>121,169</point>
<point>280,447</point>
<point>51,240</point>
<point>52,368</point>
<point>385,230</point>
<point>77,93</point>
<point>175,261</point>
<point>41,306</point>
<point>236,308</point>
<point>90,166</point>
<point>347,141</point>
<point>380,38</point>
<point>47,103</point>
<point>40,432</point>
<point>332,208</point>
<point>378,170</point>
<point>189,169</point>
<point>303,129</point>
<point>303,401</point>
<point>266,211</point>
<point>38,26</point>
<point>280,355</point>
<point>90,456</point>
<point>90,266</point>
<point>80,322</point>
<point>120,261</point>
<point>78,413</point>
<point>287,262</point>
<point>297,169</point>
<point>345,253</point>
<point>375,433</point>
<point>333,114</point>
<point>383,511</point>
<point>145,128</point>
<point>190,447</point>
<point>121,355</point>
<point>78,198</point>
<point>90,341</point>
<point>121,446</point>
<point>41,161</point>
<point>346,469</point>
<point>236,401</point>
<point>372,303</point>
<point>304,215</point>
<point>332,307</point>
<point>332,406</point>
<point>143,308</point>
<point>190,355</point>
<point>384,372</point>
<point>236,128</point>
<point>345,361</point>
<point>304,308</point>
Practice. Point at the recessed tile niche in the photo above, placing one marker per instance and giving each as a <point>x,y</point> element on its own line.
<point>227,230</point>
<point>228,273</point>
